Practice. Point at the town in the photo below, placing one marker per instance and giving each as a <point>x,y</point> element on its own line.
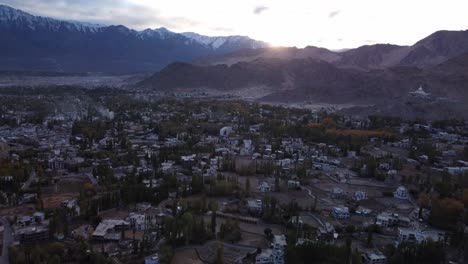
<point>111,176</point>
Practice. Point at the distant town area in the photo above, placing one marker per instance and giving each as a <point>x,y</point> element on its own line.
<point>105,175</point>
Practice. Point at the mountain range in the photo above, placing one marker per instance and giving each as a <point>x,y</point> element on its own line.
<point>380,78</point>
<point>377,78</point>
<point>44,44</point>
<point>430,51</point>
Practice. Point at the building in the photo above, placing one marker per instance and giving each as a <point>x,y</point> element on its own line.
<point>340,212</point>
<point>420,92</point>
<point>363,211</point>
<point>264,187</point>
<point>254,206</point>
<point>153,259</point>
<point>389,220</point>
<point>338,193</point>
<point>275,254</point>
<point>73,206</point>
<point>409,235</point>
<point>401,193</point>
<point>225,131</point>
<point>278,249</point>
<point>325,233</point>
<point>56,164</point>
<point>137,221</point>
<point>108,230</point>
<point>417,236</point>
<point>265,257</point>
<point>374,257</point>
<point>293,184</point>
<point>456,170</point>
<point>32,234</point>
<point>359,196</point>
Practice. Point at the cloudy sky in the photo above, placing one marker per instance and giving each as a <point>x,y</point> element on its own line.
<point>333,24</point>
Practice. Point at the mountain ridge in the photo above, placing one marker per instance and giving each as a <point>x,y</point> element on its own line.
<point>428,52</point>
<point>46,44</point>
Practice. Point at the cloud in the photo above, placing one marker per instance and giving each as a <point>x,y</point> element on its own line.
<point>222,29</point>
<point>107,12</point>
<point>334,13</point>
<point>260,9</point>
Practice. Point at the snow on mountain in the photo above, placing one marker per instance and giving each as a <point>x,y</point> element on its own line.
<point>161,33</point>
<point>31,42</point>
<point>11,16</point>
<point>217,42</point>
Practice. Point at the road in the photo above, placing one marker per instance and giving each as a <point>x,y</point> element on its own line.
<point>309,192</point>
<point>7,241</point>
<point>318,220</point>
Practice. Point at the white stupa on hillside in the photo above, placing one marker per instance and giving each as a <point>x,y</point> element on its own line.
<point>420,92</point>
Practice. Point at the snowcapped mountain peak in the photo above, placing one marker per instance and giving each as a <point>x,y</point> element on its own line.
<point>9,13</point>
<point>14,17</point>
<point>161,33</point>
<point>220,41</point>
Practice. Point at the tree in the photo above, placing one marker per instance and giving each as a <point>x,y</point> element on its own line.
<point>188,223</point>
<point>356,257</point>
<point>320,253</point>
<point>230,231</point>
<point>220,254</point>
<point>277,183</point>
<point>369,237</point>
<point>465,197</point>
<point>446,213</point>
<point>214,208</point>
<point>429,252</point>
<point>268,233</point>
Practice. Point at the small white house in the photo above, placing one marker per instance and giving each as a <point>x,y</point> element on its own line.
<point>401,193</point>
<point>293,184</point>
<point>264,187</point>
<point>225,131</point>
<point>254,206</point>
<point>340,212</point>
<point>375,257</point>
<point>359,196</point>
<point>153,259</point>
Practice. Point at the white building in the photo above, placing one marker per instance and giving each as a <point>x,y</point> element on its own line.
<point>137,221</point>
<point>254,206</point>
<point>340,212</point>
<point>293,184</point>
<point>414,235</point>
<point>275,254</point>
<point>153,259</point>
<point>264,187</point>
<point>225,131</point>
<point>108,229</point>
<point>265,257</point>
<point>247,147</point>
<point>374,257</point>
<point>359,196</point>
<point>420,92</point>
<point>401,193</point>
<point>385,219</point>
<point>456,170</point>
